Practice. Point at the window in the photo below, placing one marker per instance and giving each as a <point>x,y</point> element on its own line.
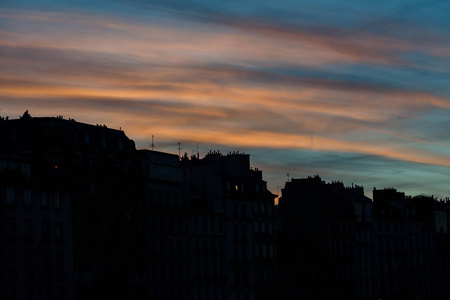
<point>10,200</point>
<point>59,231</point>
<point>44,200</point>
<point>30,293</point>
<point>46,230</point>
<point>13,292</point>
<point>47,263</point>
<point>12,262</point>
<point>28,228</point>
<point>29,267</point>
<point>27,198</point>
<point>60,263</point>
<point>57,201</point>
<point>441,221</point>
<point>61,293</point>
<point>86,138</point>
<point>48,293</point>
<point>11,228</point>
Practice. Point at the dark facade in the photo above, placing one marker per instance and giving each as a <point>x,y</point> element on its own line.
<point>442,219</point>
<point>335,243</point>
<point>36,241</point>
<point>84,215</point>
<point>318,240</point>
<point>234,223</point>
<point>168,219</point>
<point>72,196</point>
<point>406,245</point>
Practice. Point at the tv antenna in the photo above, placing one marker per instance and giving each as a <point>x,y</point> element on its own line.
<point>153,146</point>
<point>179,149</point>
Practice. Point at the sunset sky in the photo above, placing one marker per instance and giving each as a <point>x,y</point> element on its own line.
<point>356,91</point>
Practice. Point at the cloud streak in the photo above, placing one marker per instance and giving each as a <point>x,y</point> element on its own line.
<point>247,80</point>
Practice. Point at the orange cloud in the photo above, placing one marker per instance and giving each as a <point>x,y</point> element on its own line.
<point>210,84</point>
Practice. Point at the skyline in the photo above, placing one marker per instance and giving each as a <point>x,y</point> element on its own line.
<point>347,91</point>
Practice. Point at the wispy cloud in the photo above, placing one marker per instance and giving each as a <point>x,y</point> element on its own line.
<point>250,80</point>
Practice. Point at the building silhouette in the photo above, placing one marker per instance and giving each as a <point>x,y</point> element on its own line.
<point>406,245</point>
<point>168,218</point>
<point>72,199</point>
<point>318,255</point>
<point>85,215</point>
<point>234,228</point>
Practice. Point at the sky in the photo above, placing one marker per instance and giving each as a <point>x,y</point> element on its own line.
<point>353,91</point>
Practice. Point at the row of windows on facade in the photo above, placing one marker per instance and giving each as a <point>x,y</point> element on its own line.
<point>169,247</point>
<point>32,293</point>
<point>259,187</point>
<point>258,209</point>
<point>97,140</point>
<point>27,263</point>
<point>168,225</point>
<point>394,243</point>
<point>397,227</point>
<point>263,227</point>
<point>343,250</point>
<point>181,247</point>
<point>166,173</point>
<point>30,197</point>
<point>208,223</point>
<point>13,165</point>
<point>169,201</point>
<point>264,250</point>
<point>28,231</point>
<point>342,229</point>
<point>165,271</point>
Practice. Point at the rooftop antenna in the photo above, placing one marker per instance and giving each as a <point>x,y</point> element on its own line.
<point>152,143</point>
<point>179,149</point>
<point>198,154</point>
